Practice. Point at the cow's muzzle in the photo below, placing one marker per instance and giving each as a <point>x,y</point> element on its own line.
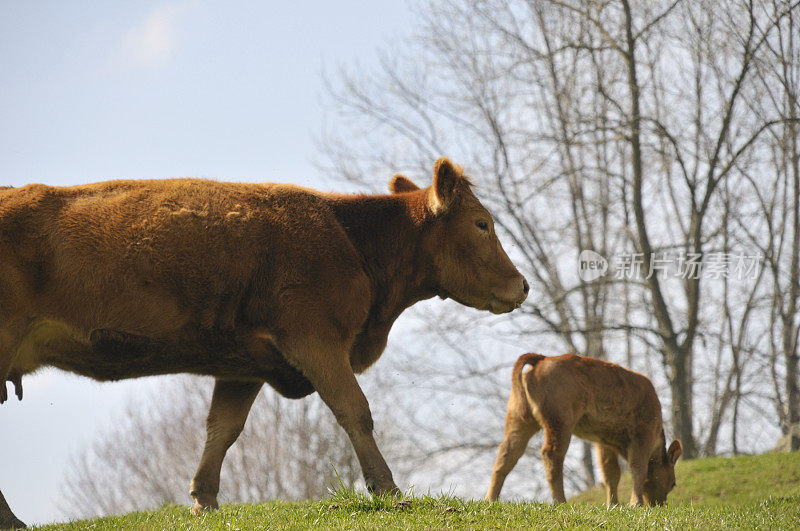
<point>510,298</point>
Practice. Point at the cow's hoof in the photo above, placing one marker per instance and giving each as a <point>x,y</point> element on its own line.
<point>199,508</point>
<point>388,488</point>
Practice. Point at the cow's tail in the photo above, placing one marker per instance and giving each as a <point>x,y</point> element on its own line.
<point>517,389</point>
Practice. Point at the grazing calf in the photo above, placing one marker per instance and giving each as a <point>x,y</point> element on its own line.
<point>614,407</point>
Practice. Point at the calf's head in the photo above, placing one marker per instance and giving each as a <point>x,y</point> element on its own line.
<point>460,246</point>
<point>661,475</point>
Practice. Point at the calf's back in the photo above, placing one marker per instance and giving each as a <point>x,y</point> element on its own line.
<point>606,403</point>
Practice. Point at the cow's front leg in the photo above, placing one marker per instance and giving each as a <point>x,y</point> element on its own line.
<point>337,386</point>
<point>230,405</point>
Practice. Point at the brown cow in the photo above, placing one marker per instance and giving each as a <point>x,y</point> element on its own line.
<point>599,401</point>
<point>249,283</point>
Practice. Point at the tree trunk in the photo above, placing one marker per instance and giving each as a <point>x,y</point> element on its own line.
<point>680,357</point>
<point>790,331</point>
<point>792,396</point>
<point>680,381</point>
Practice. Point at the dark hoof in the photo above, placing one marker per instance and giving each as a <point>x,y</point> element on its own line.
<point>387,489</point>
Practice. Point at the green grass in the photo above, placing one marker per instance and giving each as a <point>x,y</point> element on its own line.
<point>742,493</point>
<point>724,481</point>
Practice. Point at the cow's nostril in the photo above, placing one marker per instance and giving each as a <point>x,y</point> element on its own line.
<point>525,287</point>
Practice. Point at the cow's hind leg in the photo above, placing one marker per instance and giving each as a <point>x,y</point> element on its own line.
<point>230,405</point>
<point>609,469</point>
<point>517,434</point>
<point>7,518</point>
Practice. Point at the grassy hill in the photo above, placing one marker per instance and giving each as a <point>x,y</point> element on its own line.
<point>740,493</point>
<point>724,481</point>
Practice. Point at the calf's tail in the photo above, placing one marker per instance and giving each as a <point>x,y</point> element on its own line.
<point>524,409</point>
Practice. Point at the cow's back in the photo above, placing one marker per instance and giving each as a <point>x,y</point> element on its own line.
<point>150,257</point>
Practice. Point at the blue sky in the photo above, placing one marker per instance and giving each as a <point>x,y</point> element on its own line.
<point>95,90</point>
<point>92,91</point>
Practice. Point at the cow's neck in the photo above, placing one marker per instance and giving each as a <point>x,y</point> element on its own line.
<point>386,232</point>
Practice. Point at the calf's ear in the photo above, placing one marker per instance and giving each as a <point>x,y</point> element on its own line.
<point>674,452</point>
<point>445,184</point>
<point>400,183</point>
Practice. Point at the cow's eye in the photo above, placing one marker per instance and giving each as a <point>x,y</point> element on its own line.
<point>482,225</point>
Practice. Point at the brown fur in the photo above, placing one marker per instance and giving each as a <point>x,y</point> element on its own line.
<point>249,283</point>
<point>614,407</point>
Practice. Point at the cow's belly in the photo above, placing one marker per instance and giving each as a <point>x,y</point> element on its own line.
<point>109,355</point>
<point>45,339</point>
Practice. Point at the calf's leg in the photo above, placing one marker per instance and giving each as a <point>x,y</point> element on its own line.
<point>517,434</point>
<point>556,443</point>
<point>230,405</point>
<point>7,518</point>
<point>609,470</point>
<point>638,456</point>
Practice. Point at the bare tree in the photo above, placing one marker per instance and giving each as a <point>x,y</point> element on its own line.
<point>785,264</point>
<point>772,228</point>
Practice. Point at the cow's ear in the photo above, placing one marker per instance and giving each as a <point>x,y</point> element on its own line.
<point>446,178</point>
<point>674,452</point>
<point>400,183</point>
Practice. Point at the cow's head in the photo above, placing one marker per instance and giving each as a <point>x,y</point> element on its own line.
<point>661,475</point>
<point>460,245</point>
